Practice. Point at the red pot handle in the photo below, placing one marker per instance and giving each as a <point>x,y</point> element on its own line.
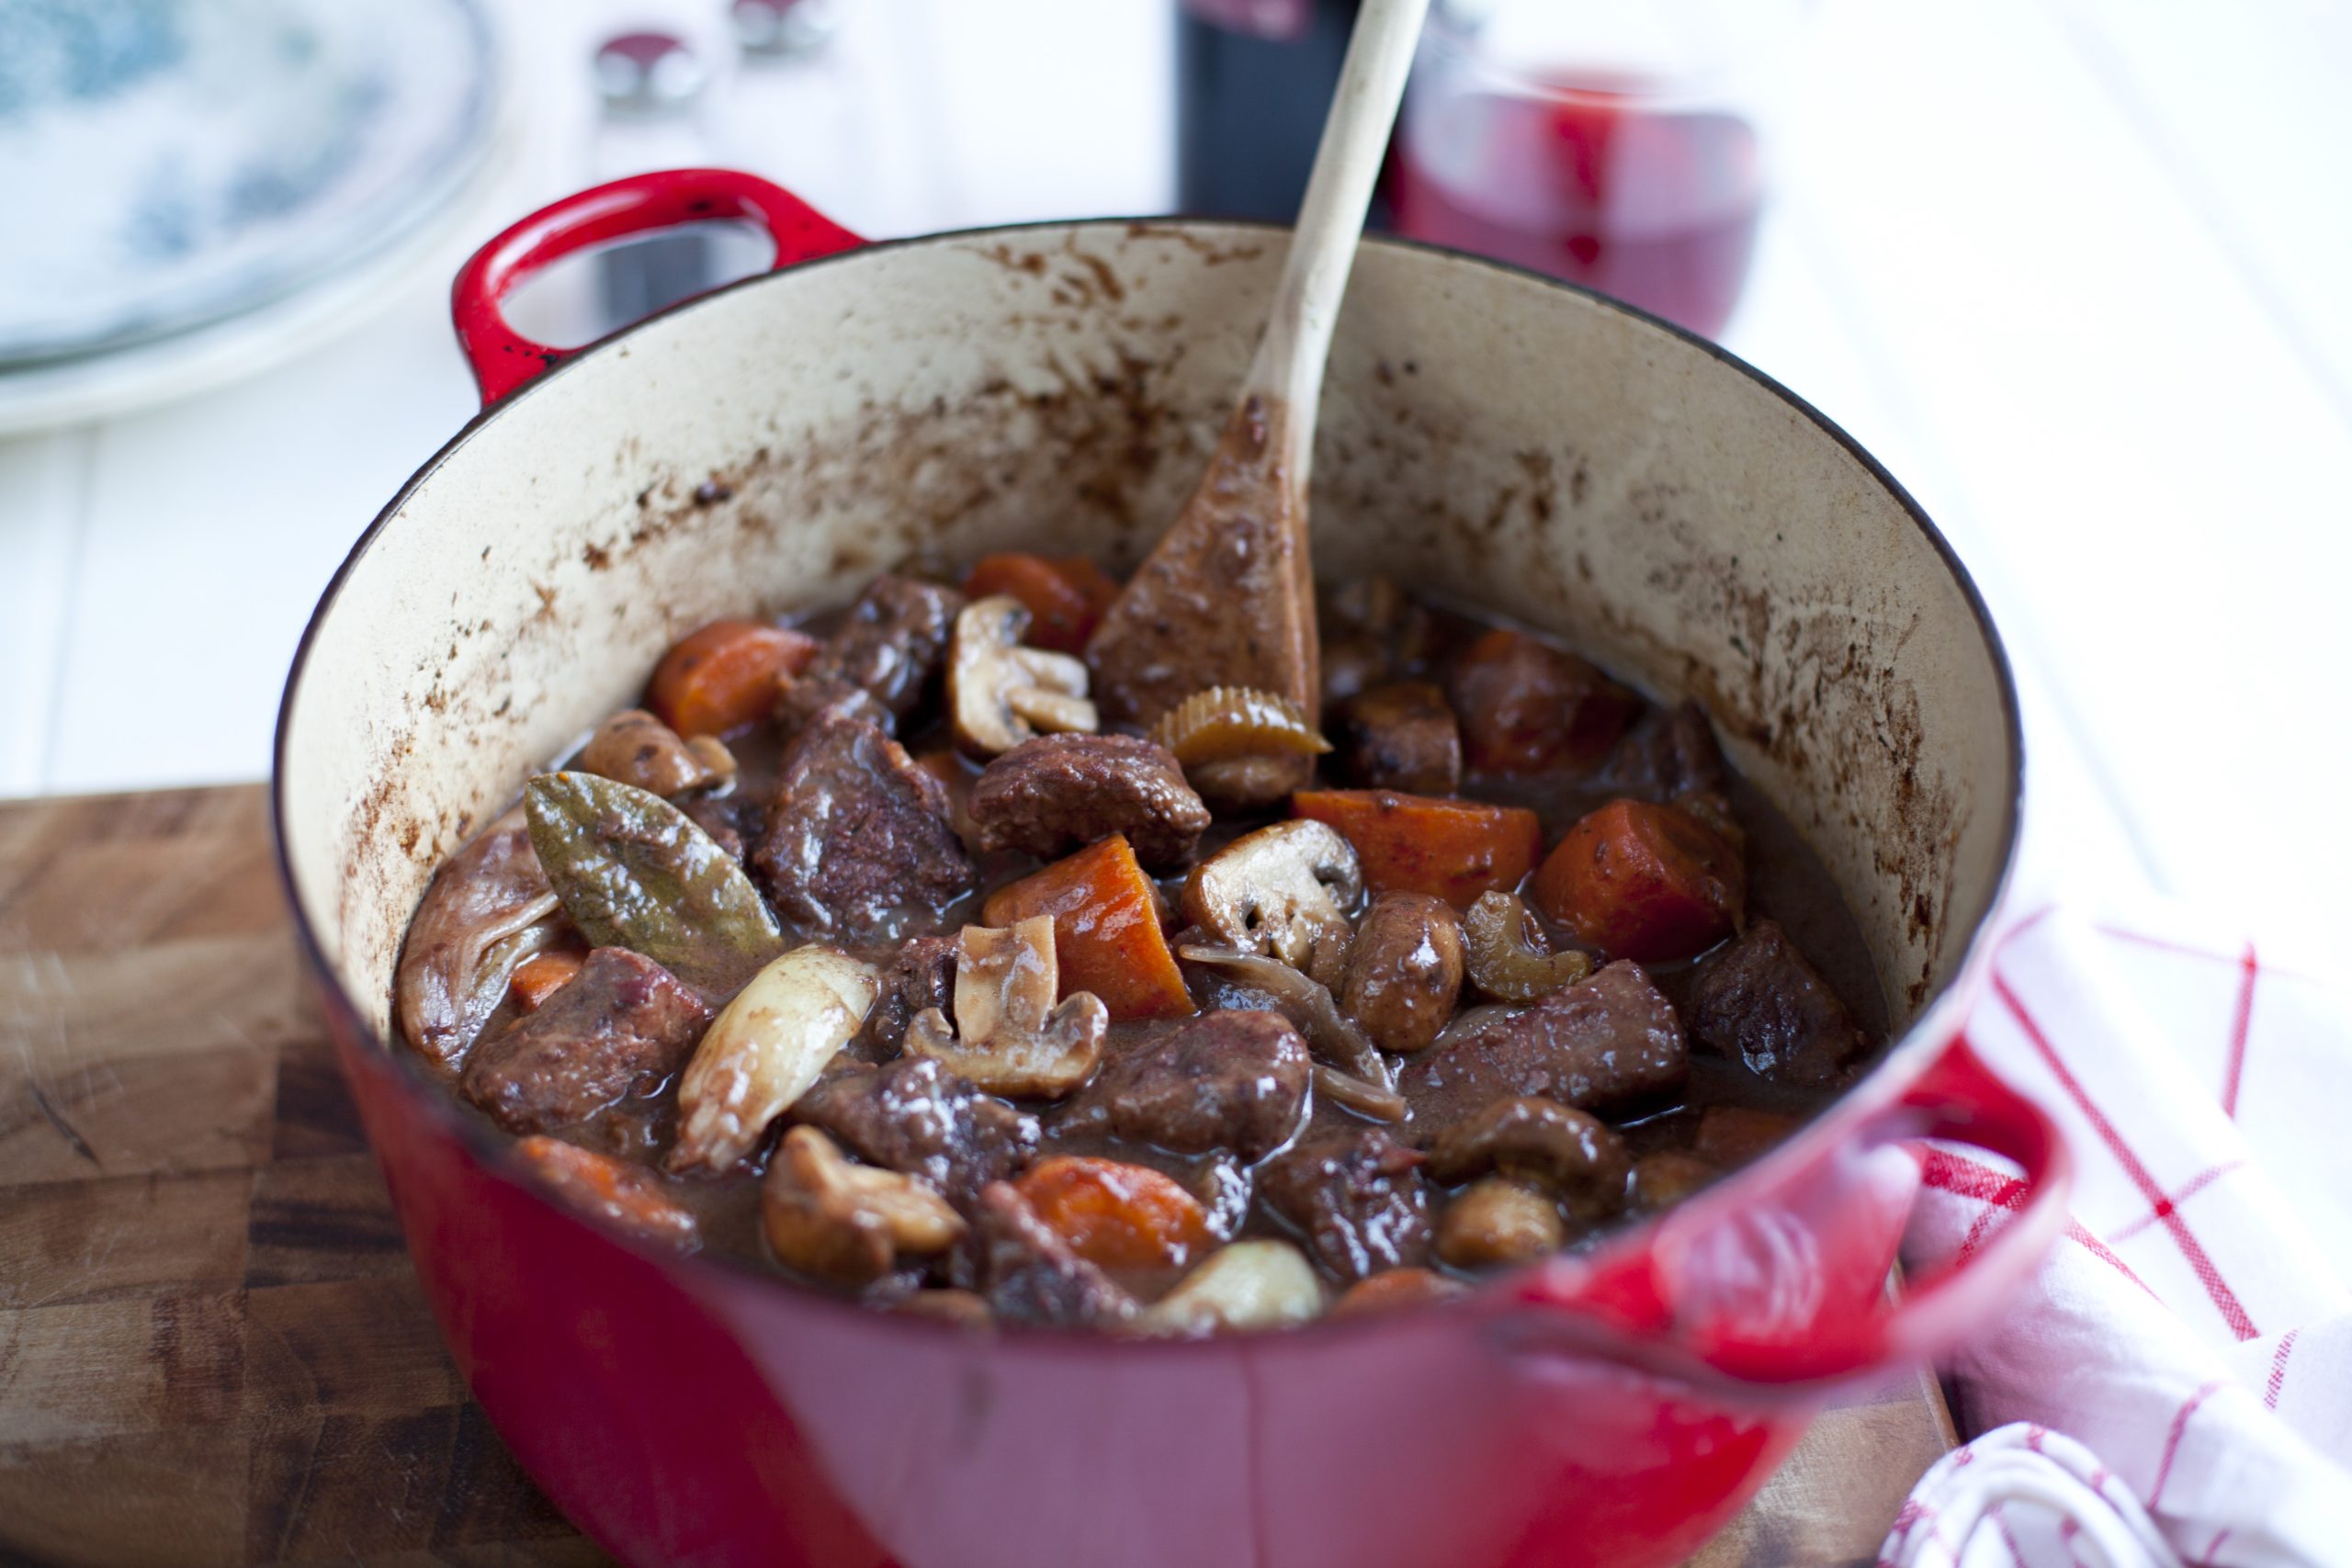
<point>1749,1289</point>
<point>504,359</point>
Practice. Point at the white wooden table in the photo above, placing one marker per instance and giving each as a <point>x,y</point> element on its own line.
<point>2076,270</point>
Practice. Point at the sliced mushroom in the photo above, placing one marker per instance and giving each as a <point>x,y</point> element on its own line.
<point>637,749</point>
<point>1283,890</point>
<point>1009,1037</point>
<point>1001,694</point>
<point>1243,1285</point>
<point>765,1051</point>
<point>1366,1097</point>
<point>1497,1221</point>
<point>849,1223</point>
<point>1508,956</point>
<point>1576,1159</point>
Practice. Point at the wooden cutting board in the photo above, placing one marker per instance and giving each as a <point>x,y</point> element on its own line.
<point>212,1348</point>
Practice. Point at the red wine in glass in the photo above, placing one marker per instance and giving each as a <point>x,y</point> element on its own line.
<point>1582,179</point>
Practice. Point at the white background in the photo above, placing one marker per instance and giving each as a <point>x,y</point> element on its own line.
<point>2078,271</point>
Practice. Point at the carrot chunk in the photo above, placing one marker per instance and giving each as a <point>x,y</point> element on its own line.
<point>1644,882</point>
<point>1117,1215</point>
<point>627,1195</point>
<point>537,979</point>
<point>724,675</point>
<point>1065,598</point>
<point>1526,706</point>
<point>1453,850</point>
<point>1106,929</point>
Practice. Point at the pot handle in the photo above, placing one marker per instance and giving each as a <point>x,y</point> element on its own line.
<point>1701,1299</point>
<point>504,359</point>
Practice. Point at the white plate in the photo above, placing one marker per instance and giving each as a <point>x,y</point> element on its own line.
<point>173,162</point>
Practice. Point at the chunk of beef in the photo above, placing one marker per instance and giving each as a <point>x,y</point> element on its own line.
<point>1058,792</point>
<point>916,1117</point>
<point>885,659</point>
<point>1670,754</point>
<point>1358,1196</point>
<point>1608,1041</point>
<point>732,820</point>
<point>1404,736</point>
<point>1030,1272</point>
<point>1757,1000</point>
<point>858,838</point>
<point>621,1026</point>
<point>1222,1080</point>
<point>921,974</point>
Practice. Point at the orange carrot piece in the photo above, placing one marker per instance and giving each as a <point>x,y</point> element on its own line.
<point>629,1196</point>
<point>1117,1215</point>
<point>1063,605</point>
<point>1526,706</point>
<point>1394,1288</point>
<point>1106,929</point>
<point>724,675</point>
<point>537,979</point>
<point>1453,850</point>
<point>1645,882</point>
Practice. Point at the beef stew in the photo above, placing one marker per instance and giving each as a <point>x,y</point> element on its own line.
<point>867,952</point>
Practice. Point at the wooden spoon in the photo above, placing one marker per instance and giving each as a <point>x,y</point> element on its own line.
<point>1227,596</point>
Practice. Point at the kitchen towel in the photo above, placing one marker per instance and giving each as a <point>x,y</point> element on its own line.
<point>2174,1384</point>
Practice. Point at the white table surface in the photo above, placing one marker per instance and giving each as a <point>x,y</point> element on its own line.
<point>2076,270</point>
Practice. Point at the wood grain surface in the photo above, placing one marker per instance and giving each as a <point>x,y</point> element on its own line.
<point>212,1348</point>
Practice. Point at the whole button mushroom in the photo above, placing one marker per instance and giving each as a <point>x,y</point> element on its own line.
<point>1405,972</point>
<point>1545,1158</point>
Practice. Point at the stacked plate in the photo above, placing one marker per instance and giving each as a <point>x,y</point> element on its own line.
<point>197,188</point>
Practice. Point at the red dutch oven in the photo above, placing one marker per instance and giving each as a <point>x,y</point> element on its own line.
<point>1486,434</point>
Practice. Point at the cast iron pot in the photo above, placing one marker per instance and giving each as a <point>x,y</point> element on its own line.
<point>1486,434</point>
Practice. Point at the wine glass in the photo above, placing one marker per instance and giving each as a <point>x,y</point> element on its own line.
<point>1619,145</point>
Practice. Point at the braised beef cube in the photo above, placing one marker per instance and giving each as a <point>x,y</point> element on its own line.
<point>1030,1273</point>
<point>885,661</point>
<point>921,974</point>
<point>1358,1196</point>
<point>1603,1044</point>
<point>1757,1000</point>
<point>732,820</point>
<point>1404,736</point>
<point>916,1117</point>
<point>1235,1082</point>
<point>1060,792</point>
<point>621,1026</point>
<point>858,838</point>
<point>1670,754</point>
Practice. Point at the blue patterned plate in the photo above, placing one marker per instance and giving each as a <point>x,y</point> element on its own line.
<point>168,162</point>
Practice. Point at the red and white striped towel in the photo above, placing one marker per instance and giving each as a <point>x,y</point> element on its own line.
<point>2176,1383</point>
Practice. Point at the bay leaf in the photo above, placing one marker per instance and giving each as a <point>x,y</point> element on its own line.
<point>633,871</point>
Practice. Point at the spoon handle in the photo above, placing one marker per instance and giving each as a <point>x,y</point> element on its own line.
<point>1289,363</point>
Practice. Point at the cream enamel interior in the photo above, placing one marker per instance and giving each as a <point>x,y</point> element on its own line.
<point>1485,435</point>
